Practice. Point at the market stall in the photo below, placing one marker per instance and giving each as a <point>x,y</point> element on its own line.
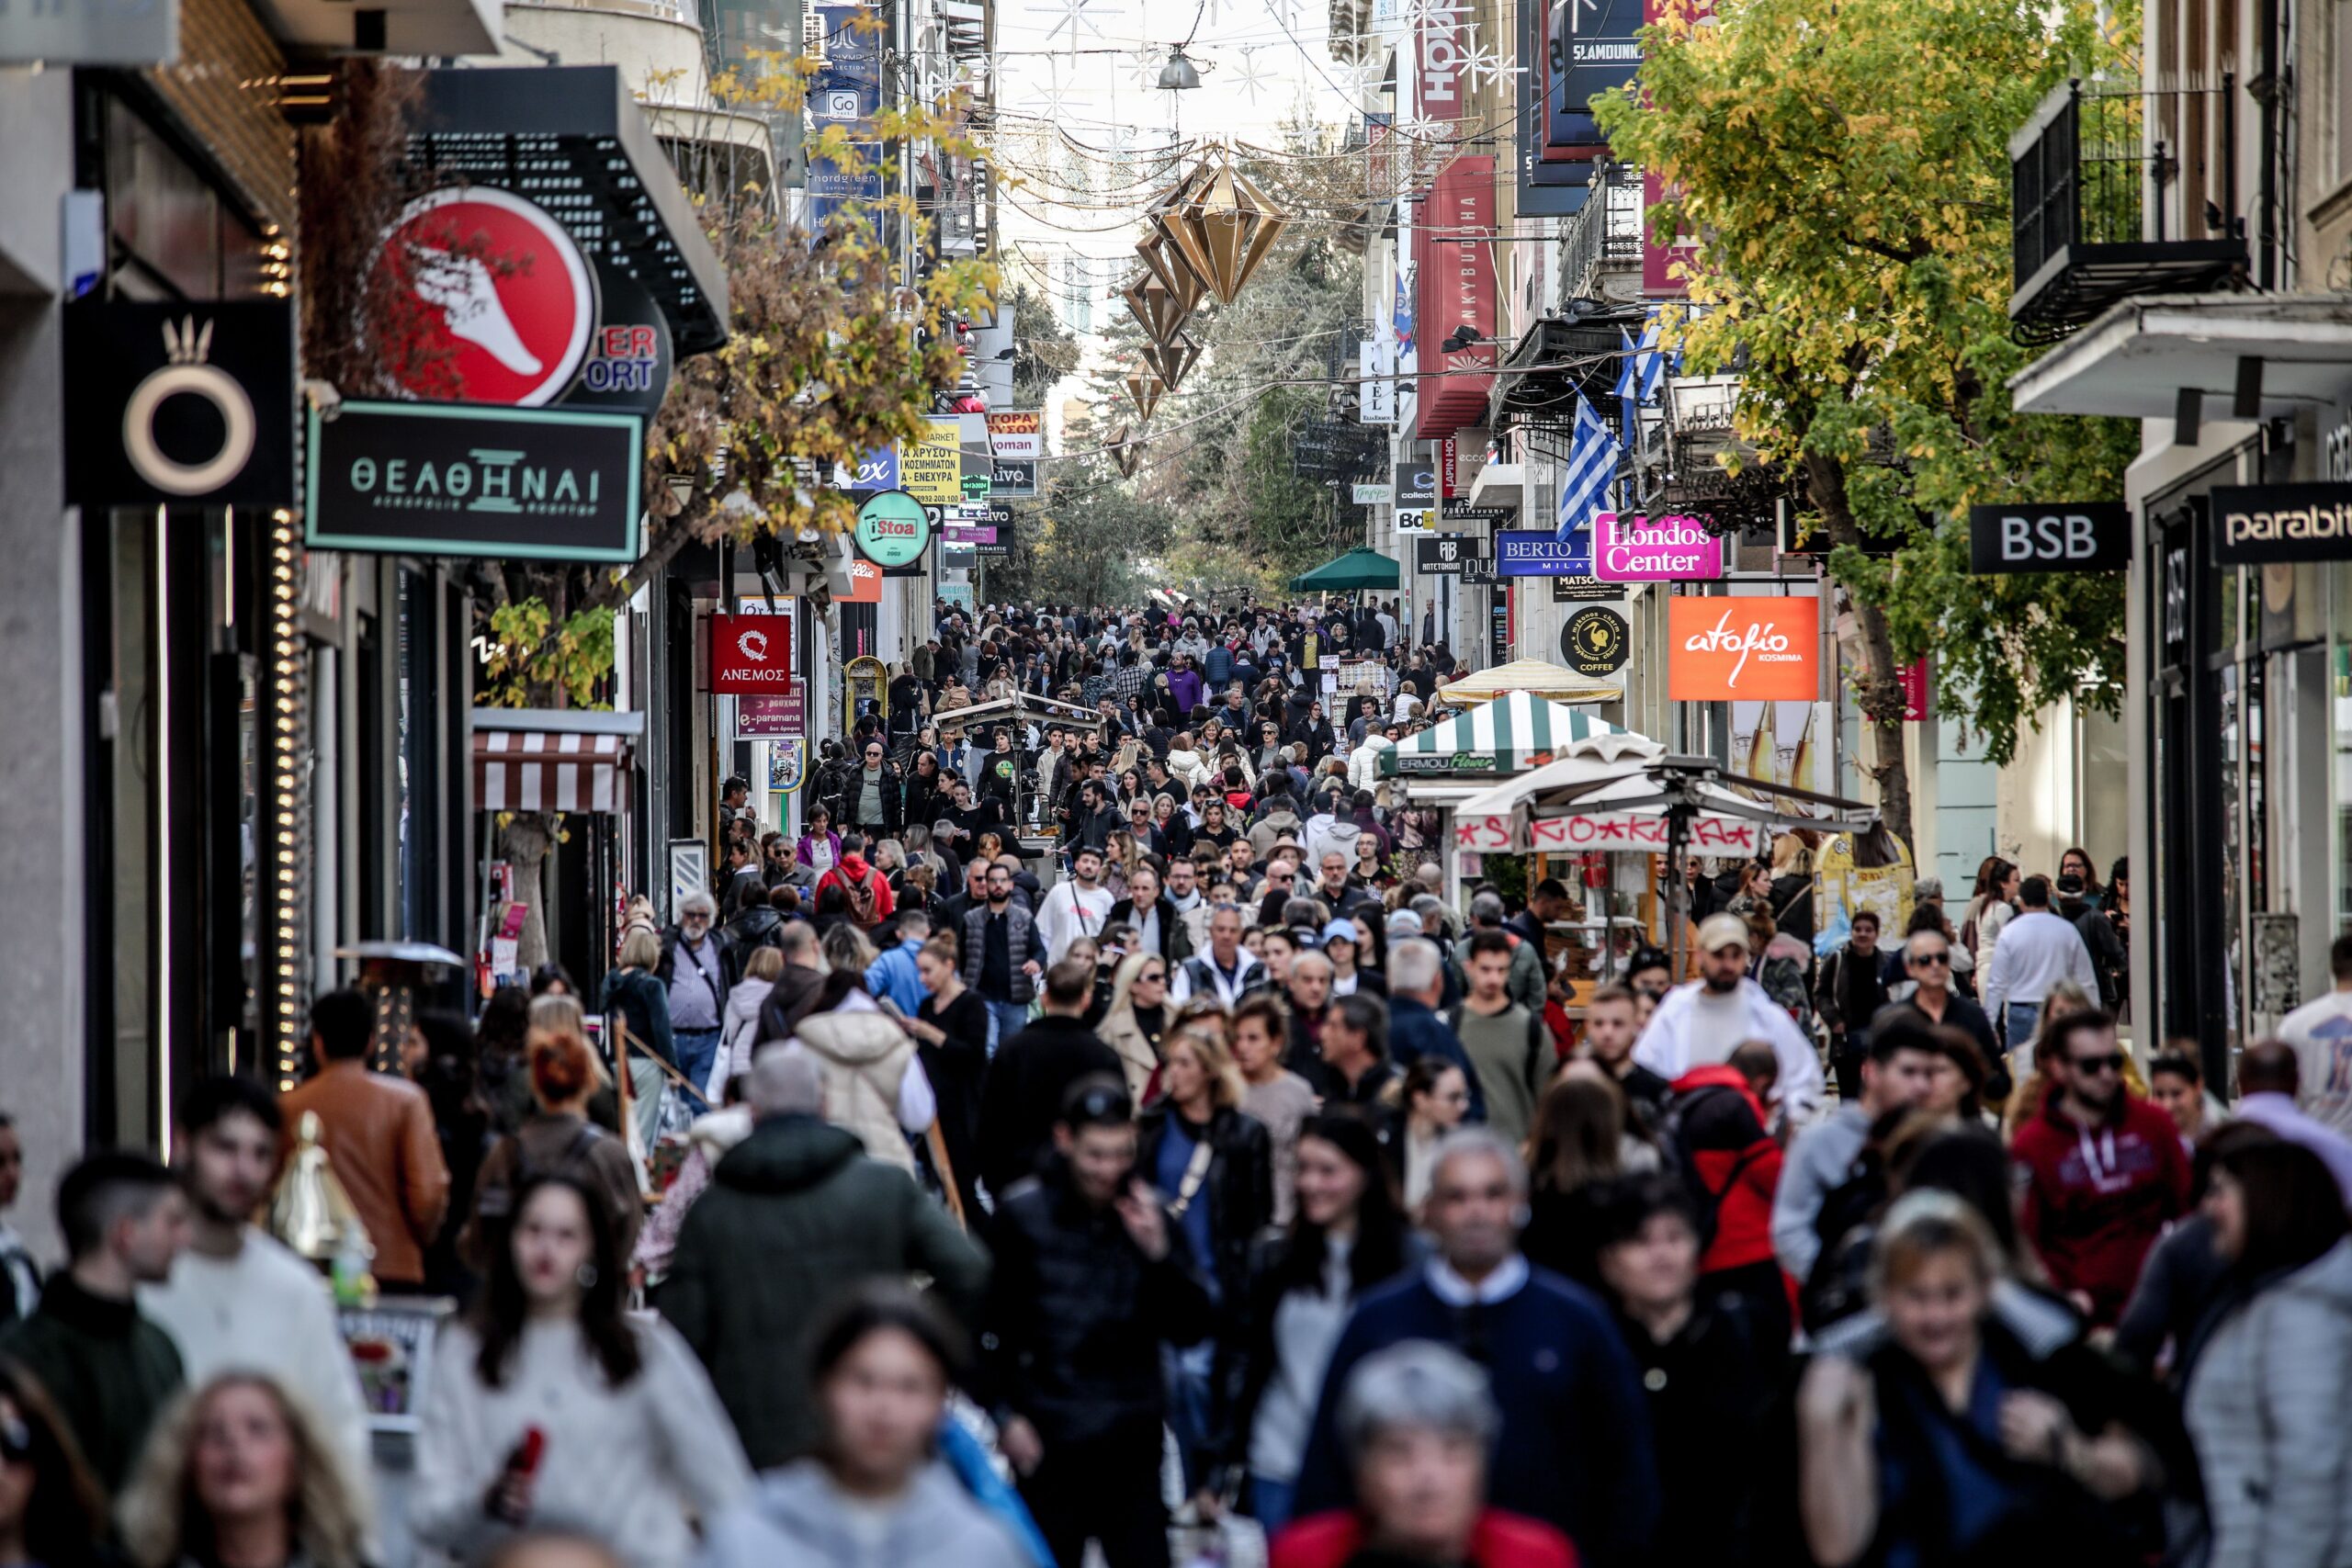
<point>1528,678</point>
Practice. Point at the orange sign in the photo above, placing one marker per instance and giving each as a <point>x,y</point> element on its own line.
<point>864,583</point>
<point>1745,649</point>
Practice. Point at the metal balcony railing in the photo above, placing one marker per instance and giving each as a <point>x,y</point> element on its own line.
<point>1604,236</point>
<point>2096,179</point>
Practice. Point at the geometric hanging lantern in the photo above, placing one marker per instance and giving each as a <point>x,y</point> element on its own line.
<point>1127,454</point>
<point>1221,224</point>
<point>1168,267</point>
<point>1170,361</point>
<point>1170,219</point>
<point>1159,312</point>
<point>1145,389</point>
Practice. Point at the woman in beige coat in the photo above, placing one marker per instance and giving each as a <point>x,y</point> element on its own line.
<point>1138,1019</point>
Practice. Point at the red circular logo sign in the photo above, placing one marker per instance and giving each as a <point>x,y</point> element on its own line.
<point>514,299</point>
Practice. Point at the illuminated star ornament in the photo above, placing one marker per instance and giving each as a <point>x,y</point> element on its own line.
<point>1052,99</point>
<point>1253,77</point>
<point>1143,67</point>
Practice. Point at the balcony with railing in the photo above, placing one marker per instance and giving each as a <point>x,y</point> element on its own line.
<point>1600,255</point>
<point>2117,193</point>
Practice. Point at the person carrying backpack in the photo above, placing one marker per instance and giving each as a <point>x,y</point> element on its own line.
<point>865,890</point>
<point>1714,1135</point>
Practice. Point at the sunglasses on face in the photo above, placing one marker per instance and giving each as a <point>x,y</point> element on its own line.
<point>2110,1063</point>
<point>1926,960</point>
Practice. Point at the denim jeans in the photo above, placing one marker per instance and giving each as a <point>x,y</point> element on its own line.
<point>1009,1018</point>
<point>1271,1502</point>
<point>2023,1018</point>
<point>1185,1373</point>
<point>697,1049</point>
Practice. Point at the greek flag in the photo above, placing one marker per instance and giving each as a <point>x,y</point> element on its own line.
<point>1629,391</point>
<point>1592,463</point>
<point>1650,361</point>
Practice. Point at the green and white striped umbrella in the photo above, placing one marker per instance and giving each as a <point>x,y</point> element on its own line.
<point>1511,735</point>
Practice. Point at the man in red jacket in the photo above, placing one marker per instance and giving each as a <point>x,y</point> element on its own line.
<point>2102,1172</point>
<point>1717,1126</point>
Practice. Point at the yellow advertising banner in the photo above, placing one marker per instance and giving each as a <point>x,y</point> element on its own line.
<point>933,470</point>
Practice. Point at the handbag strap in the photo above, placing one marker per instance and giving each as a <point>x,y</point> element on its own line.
<point>1196,1170</point>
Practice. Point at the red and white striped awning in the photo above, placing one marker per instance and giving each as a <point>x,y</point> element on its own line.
<point>541,769</point>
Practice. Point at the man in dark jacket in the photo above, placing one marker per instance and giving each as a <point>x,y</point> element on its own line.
<point>795,1216</point>
<point>1088,1288</point>
<point>1415,1028</point>
<point>108,1371</point>
<point>2108,957</point>
<point>1573,1448</point>
<point>1154,915</point>
<point>756,924</point>
<point>872,794</point>
<point>1003,953</point>
<point>1851,988</point>
<point>1027,1077</point>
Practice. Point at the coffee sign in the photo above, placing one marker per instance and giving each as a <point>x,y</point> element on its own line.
<point>1595,641</point>
<point>1630,548</point>
<point>2265,524</point>
<point>2076,536</point>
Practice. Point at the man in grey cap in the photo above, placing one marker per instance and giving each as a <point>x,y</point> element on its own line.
<point>1700,1023</point>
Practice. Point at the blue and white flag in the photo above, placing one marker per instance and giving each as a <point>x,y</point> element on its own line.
<point>1628,390</point>
<point>1650,363</point>
<point>1592,463</point>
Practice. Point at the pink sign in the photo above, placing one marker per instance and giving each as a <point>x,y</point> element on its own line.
<point>1642,830</point>
<point>1918,696</point>
<point>971,533</point>
<point>1638,549</point>
<point>772,717</point>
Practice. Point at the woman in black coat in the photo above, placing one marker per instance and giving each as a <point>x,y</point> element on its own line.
<point>1214,1167</point>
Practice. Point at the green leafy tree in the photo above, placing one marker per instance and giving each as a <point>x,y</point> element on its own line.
<point>1845,173</point>
<point>1043,350</point>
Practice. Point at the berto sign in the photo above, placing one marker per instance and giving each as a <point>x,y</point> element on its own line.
<point>2266,524</point>
<point>2076,536</point>
<point>751,655</point>
<point>893,529</point>
<point>466,480</point>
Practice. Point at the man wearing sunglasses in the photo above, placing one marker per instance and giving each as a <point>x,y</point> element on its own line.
<point>1928,963</point>
<point>2102,1172</point>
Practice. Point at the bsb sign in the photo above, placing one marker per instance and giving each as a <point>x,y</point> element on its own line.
<point>471,479</point>
<point>2086,536</point>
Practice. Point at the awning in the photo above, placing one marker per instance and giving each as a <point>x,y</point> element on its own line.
<point>1360,567</point>
<point>553,759</point>
<point>1529,677</point>
<point>1511,735</point>
<point>2137,358</point>
<point>1582,802</point>
<point>573,138</point>
<point>1026,705</point>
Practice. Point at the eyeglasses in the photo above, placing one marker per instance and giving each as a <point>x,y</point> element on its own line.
<point>1923,960</point>
<point>1151,975</point>
<point>2110,1063</point>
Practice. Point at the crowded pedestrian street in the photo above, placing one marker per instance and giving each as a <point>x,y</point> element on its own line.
<point>1127,783</point>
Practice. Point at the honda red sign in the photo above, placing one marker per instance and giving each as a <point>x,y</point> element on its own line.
<point>751,655</point>
<point>515,299</point>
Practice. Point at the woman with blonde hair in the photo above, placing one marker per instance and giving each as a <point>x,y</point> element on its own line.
<point>565,1074</point>
<point>238,1475</point>
<point>1213,1165</point>
<point>1138,1019</point>
<point>634,992</point>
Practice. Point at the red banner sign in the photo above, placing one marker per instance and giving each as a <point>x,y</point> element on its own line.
<point>1454,252</point>
<point>1918,695</point>
<point>751,655</point>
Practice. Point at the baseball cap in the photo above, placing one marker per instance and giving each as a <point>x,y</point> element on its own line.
<point>1719,932</point>
<point>1342,931</point>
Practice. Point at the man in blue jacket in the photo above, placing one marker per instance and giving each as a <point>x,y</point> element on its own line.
<point>1573,1448</point>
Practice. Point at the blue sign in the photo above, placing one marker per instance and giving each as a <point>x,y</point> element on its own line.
<point>878,469</point>
<point>847,92</point>
<point>1530,552</point>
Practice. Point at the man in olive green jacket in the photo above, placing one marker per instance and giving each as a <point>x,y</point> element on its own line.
<point>795,1216</point>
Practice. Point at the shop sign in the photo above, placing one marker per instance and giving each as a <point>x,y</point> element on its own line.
<point>91,32</point>
<point>1919,693</point>
<point>1013,478</point>
<point>1586,591</point>
<point>1377,382</point>
<point>1539,552</point>
<point>1498,623</point>
<point>864,584</point>
<point>969,534</point>
<point>932,470</point>
<point>1415,519</point>
<point>183,404</point>
<point>1415,484</point>
<point>772,717</point>
<point>1754,648</point>
<point>1438,59</point>
<point>1595,46</point>
<point>976,487</point>
<point>1457,509</point>
<point>1596,641</point>
<point>628,355</point>
<point>1449,467</point>
<point>1017,434</point>
<point>470,479</point>
<point>1633,548</point>
<point>1457,287</point>
<point>1372,495</point>
<point>517,300</point>
<point>1641,832</point>
<point>751,655</point>
<point>2263,524</point>
<point>2069,535</point>
<point>1449,557</point>
<point>893,529</point>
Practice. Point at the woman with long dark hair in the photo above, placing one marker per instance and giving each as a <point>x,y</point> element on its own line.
<point>1582,1139</point>
<point>548,1402</point>
<point>52,1510</point>
<point>1347,1236</point>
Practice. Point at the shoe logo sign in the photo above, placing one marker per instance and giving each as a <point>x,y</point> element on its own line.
<point>514,300</point>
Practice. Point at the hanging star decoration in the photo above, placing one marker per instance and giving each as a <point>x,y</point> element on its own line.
<point>1483,65</point>
<point>1253,77</point>
<point>1221,224</point>
<point>1069,14</point>
<point>1052,99</point>
<point>1143,67</point>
